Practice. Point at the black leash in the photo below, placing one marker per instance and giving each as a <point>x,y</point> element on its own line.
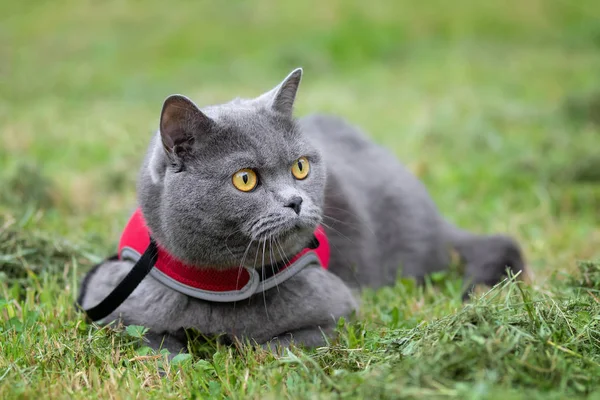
<point>120,293</point>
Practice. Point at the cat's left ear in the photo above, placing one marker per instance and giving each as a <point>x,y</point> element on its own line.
<point>180,121</point>
<point>282,97</point>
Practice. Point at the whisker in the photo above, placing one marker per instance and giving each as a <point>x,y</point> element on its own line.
<point>267,228</point>
<point>254,265</point>
<point>256,256</point>
<point>227,238</point>
<point>346,223</point>
<point>258,228</point>
<point>348,212</point>
<point>271,261</point>
<point>262,271</point>
<point>329,207</point>
<point>281,252</point>
<point>339,233</point>
<point>241,266</point>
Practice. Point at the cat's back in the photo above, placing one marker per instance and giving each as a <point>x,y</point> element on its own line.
<point>381,214</point>
<point>352,156</point>
<point>329,131</point>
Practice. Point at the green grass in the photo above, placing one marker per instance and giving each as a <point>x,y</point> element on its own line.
<point>494,105</point>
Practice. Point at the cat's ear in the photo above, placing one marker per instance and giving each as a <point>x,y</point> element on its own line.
<point>282,97</point>
<point>180,121</point>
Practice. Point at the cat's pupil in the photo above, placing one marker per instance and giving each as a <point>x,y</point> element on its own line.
<point>245,178</point>
<point>300,165</point>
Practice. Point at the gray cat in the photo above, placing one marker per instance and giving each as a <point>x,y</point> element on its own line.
<point>245,184</point>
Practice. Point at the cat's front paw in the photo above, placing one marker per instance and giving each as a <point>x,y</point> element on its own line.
<point>175,343</point>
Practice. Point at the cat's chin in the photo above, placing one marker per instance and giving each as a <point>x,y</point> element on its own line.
<point>282,246</point>
<point>295,239</point>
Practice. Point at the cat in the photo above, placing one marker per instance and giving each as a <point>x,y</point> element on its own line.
<point>245,184</point>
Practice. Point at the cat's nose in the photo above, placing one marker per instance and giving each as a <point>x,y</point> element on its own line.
<point>295,203</point>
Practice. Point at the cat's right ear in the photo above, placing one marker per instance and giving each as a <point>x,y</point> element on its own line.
<point>281,98</point>
<point>180,122</point>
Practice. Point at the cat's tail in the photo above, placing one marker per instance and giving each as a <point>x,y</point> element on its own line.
<point>486,258</point>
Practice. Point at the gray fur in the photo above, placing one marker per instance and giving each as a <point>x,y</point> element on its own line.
<point>313,300</point>
<point>379,219</point>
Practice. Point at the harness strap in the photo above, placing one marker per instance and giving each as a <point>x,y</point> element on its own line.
<point>122,291</point>
<point>269,276</point>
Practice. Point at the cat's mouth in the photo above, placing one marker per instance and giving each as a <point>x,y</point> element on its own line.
<point>283,230</point>
<point>285,233</point>
<point>278,246</point>
<point>273,239</point>
<point>281,237</point>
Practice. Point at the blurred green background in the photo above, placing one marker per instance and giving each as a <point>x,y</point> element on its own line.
<point>495,105</point>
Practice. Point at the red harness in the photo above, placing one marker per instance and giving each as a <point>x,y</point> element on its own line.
<point>213,284</point>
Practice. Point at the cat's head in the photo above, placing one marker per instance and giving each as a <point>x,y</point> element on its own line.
<point>232,183</point>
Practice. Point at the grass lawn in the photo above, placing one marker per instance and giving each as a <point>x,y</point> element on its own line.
<point>495,105</point>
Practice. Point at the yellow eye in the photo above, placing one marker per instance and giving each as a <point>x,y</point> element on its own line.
<point>244,180</point>
<point>301,168</point>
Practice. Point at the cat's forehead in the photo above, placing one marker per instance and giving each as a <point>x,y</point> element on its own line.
<point>243,127</point>
<point>249,120</point>
<point>245,113</point>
